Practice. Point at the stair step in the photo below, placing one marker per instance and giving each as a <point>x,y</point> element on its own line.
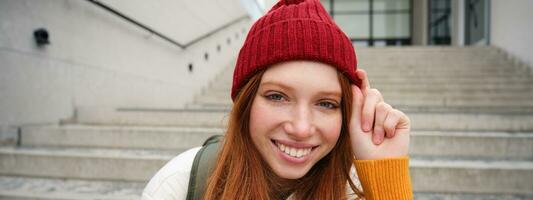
<point>443,68</point>
<point>384,67</point>
<point>83,163</point>
<point>487,76</point>
<point>168,138</point>
<point>393,61</point>
<point>462,102</point>
<point>426,50</point>
<point>472,176</point>
<point>25,188</point>
<point>152,117</point>
<point>471,122</point>
<point>470,109</point>
<point>472,145</point>
<point>462,196</point>
<point>443,71</point>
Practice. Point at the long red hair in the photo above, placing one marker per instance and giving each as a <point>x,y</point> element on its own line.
<point>241,173</point>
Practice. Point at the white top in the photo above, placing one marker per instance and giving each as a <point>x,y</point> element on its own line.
<point>172,181</point>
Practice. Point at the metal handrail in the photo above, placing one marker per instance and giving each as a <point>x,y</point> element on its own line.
<point>162,36</point>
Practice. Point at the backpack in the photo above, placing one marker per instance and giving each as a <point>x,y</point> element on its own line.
<point>202,166</point>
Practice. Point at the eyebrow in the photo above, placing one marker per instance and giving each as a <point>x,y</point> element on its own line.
<point>273,83</point>
<point>286,87</point>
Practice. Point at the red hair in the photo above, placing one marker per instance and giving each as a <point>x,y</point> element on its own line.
<point>241,173</point>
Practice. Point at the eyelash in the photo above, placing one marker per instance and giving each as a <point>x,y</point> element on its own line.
<point>328,105</point>
<point>271,96</point>
<point>279,97</point>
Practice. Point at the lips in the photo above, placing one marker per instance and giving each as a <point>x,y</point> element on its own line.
<point>294,150</point>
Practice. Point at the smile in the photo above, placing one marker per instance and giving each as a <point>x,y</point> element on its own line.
<point>294,152</point>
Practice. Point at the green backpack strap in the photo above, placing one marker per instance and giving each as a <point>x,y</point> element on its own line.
<point>202,166</point>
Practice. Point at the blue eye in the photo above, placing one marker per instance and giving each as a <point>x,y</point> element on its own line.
<point>328,105</point>
<point>274,97</point>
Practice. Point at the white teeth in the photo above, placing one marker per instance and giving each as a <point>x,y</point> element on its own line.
<point>299,153</point>
<point>294,152</point>
<point>287,150</point>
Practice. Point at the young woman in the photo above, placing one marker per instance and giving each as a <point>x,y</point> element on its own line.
<point>303,116</point>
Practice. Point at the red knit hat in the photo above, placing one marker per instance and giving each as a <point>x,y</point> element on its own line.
<point>294,30</point>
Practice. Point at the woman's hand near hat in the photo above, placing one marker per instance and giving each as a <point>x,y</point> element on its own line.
<point>377,130</point>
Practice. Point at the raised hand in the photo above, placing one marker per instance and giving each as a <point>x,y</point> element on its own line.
<point>377,130</point>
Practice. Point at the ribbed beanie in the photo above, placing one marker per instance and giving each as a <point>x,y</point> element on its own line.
<point>294,30</point>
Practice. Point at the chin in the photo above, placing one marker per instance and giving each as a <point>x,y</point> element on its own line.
<point>291,172</point>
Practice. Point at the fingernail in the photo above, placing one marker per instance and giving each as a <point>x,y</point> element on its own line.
<point>366,127</point>
<point>376,140</point>
<point>378,136</point>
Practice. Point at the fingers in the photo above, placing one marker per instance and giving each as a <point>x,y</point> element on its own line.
<point>390,123</point>
<point>404,122</point>
<point>372,98</point>
<point>382,111</point>
<point>365,83</point>
<point>357,107</point>
<point>375,114</point>
<point>395,120</point>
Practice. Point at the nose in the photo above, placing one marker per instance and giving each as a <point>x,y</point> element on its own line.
<point>300,125</point>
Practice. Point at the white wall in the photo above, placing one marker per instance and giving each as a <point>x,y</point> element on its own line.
<point>255,8</point>
<point>98,59</point>
<point>512,28</point>
<point>269,4</point>
<point>183,20</point>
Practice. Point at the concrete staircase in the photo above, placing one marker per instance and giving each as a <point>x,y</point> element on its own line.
<point>472,138</point>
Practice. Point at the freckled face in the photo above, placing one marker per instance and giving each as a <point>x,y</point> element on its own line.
<point>295,119</point>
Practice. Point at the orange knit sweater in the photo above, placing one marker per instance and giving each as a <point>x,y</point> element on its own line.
<point>385,179</point>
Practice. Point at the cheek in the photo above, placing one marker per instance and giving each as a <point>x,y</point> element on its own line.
<point>331,128</point>
<point>262,119</point>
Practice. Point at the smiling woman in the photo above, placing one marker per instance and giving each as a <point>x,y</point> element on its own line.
<point>303,117</point>
<point>295,119</point>
<point>292,116</point>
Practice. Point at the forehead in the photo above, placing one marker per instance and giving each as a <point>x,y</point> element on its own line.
<point>303,74</point>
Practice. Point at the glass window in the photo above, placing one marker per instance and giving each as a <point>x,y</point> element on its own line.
<point>387,5</point>
<point>389,21</point>
<point>394,25</point>
<point>439,22</point>
<point>350,5</point>
<point>326,4</point>
<point>355,26</point>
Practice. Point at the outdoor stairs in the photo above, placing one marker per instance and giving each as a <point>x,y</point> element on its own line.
<point>472,131</point>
